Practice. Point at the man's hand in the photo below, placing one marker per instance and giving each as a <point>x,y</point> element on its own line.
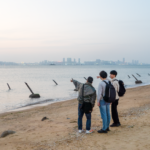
<point>91,111</point>
<point>98,77</point>
<point>71,80</point>
<point>98,103</point>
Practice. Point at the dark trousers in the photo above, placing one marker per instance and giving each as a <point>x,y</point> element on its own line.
<point>80,116</point>
<point>114,112</point>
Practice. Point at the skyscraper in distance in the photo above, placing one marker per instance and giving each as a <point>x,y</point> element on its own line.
<point>123,60</point>
<point>79,61</point>
<point>69,61</point>
<point>63,60</point>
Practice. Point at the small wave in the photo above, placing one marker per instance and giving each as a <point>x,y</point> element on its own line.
<point>37,103</point>
<point>136,85</point>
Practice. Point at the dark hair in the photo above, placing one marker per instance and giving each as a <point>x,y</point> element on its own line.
<point>114,72</point>
<point>103,74</point>
<point>90,79</point>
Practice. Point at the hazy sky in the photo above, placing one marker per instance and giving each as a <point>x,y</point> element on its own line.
<point>36,30</point>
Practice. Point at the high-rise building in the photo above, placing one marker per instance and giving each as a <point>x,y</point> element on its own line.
<point>132,61</point>
<point>98,61</point>
<point>45,61</point>
<point>79,61</point>
<point>123,60</point>
<point>69,61</point>
<point>74,61</point>
<point>63,60</point>
<point>136,62</point>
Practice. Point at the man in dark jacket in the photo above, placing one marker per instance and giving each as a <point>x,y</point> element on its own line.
<point>87,95</point>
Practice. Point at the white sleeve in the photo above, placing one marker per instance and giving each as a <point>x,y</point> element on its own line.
<point>99,92</point>
<point>116,85</point>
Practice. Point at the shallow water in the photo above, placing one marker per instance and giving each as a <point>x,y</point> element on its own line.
<point>40,80</point>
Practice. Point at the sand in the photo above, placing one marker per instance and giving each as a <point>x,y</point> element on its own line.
<point>59,132</point>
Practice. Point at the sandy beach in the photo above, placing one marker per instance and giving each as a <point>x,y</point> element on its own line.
<point>59,132</point>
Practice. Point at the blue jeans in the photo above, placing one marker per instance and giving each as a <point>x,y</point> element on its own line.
<point>80,116</point>
<point>105,114</point>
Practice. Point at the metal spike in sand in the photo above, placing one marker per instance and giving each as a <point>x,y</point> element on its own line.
<point>129,76</point>
<point>138,75</point>
<point>8,86</point>
<point>55,82</point>
<point>32,95</point>
<point>137,81</point>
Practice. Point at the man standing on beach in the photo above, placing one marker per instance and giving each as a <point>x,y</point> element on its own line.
<point>86,97</point>
<point>114,105</point>
<point>102,104</point>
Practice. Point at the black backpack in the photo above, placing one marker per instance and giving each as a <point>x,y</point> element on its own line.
<point>110,93</point>
<point>122,89</point>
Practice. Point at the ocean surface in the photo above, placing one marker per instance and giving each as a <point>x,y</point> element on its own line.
<point>40,79</point>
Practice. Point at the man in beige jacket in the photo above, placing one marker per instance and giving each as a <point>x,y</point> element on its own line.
<point>114,105</point>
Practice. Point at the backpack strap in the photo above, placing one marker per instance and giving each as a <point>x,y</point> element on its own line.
<point>106,84</point>
<point>116,80</point>
<point>83,92</point>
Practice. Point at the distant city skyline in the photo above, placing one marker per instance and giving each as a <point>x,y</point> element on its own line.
<point>77,60</point>
<point>73,61</point>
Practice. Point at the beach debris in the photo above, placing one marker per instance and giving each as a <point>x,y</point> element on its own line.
<point>138,75</point>
<point>68,118</point>
<point>129,76</point>
<point>44,118</point>
<point>6,133</point>
<point>131,126</point>
<point>85,78</point>
<point>8,86</point>
<point>55,82</point>
<point>137,81</point>
<point>32,95</point>
<point>74,121</point>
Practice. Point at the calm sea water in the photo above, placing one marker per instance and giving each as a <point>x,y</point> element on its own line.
<point>40,80</point>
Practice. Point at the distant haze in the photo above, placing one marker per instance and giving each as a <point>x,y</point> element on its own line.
<point>36,30</point>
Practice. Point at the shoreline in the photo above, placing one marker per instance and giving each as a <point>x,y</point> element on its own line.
<point>45,103</point>
<point>32,106</point>
<point>59,131</point>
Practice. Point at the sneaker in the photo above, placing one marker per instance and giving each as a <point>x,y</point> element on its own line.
<point>115,125</point>
<point>89,131</point>
<point>80,131</point>
<point>102,131</point>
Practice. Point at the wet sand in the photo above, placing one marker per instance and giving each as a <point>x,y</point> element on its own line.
<point>59,132</point>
